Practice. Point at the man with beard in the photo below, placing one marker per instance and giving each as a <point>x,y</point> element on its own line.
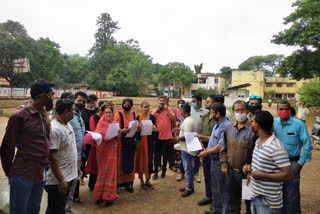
<point>28,131</point>
<point>255,103</point>
<point>80,99</point>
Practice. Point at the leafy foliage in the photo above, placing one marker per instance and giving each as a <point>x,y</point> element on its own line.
<point>198,68</point>
<point>226,72</point>
<point>205,93</point>
<point>310,92</point>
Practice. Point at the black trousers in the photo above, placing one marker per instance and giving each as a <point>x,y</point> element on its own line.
<point>56,199</point>
<point>92,181</point>
<point>207,176</point>
<point>161,150</point>
<point>171,155</point>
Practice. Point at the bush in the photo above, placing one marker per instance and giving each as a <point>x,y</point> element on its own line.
<point>310,92</point>
<point>205,93</point>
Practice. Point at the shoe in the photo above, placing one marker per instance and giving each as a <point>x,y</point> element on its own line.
<point>155,176</point>
<point>182,189</point>
<point>130,189</point>
<point>180,177</point>
<point>118,190</point>
<point>204,201</point>
<point>163,174</point>
<point>197,179</point>
<point>186,193</point>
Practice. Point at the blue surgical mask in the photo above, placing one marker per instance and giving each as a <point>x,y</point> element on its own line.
<point>161,106</point>
<point>194,105</point>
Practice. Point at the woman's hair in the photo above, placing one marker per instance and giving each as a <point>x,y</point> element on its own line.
<point>144,103</point>
<point>127,100</point>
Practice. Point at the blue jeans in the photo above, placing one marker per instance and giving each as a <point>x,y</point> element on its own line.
<point>197,165</point>
<point>291,193</point>
<point>25,195</point>
<point>181,166</point>
<point>217,185</point>
<point>69,198</point>
<point>207,177</point>
<point>259,206</point>
<point>189,168</point>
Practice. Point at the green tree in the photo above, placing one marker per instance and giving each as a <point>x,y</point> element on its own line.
<point>15,43</point>
<point>310,92</point>
<point>303,32</point>
<point>205,93</point>
<point>226,72</point>
<point>198,68</point>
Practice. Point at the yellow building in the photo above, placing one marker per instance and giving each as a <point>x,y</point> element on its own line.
<point>284,87</point>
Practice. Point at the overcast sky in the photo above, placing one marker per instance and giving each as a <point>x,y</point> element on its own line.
<point>215,33</point>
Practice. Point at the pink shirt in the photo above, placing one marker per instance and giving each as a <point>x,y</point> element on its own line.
<point>163,123</point>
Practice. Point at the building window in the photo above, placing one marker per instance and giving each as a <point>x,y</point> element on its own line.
<point>202,80</point>
<point>269,84</point>
<point>216,81</point>
<point>290,95</point>
<point>290,85</point>
<point>279,85</point>
<point>278,96</point>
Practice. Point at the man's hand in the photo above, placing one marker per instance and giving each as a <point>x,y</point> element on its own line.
<point>203,154</point>
<point>248,179</point>
<point>63,187</point>
<point>165,107</point>
<point>225,171</point>
<point>125,130</point>
<point>299,167</point>
<point>246,168</point>
<point>257,175</point>
<point>175,130</point>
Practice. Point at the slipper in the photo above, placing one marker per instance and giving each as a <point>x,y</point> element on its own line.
<point>143,186</point>
<point>77,200</point>
<point>150,186</point>
<point>81,182</point>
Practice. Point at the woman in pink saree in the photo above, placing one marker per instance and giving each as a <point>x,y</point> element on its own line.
<point>105,189</point>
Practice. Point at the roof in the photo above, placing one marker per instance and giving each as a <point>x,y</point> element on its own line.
<point>239,86</point>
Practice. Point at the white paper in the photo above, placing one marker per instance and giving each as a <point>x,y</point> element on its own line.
<point>112,131</point>
<point>246,190</point>
<point>96,137</point>
<point>193,144</point>
<point>146,128</point>
<point>133,126</point>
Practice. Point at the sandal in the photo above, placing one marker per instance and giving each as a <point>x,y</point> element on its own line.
<point>150,186</point>
<point>81,181</point>
<point>78,201</point>
<point>143,186</point>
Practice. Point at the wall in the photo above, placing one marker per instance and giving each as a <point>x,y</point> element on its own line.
<point>228,101</point>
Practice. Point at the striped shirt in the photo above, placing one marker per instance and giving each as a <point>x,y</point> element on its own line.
<point>269,158</point>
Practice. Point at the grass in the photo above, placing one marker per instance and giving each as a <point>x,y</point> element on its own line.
<point>12,102</point>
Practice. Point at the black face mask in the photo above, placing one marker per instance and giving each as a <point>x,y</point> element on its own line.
<point>79,106</point>
<point>126,108</point>
<point>253,109</point>
<point>103,108</point>
<point>49,106</point>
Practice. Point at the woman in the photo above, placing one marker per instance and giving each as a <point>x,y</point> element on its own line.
<point>145,150</point>
<point>105,189</point>
<point>94,119</point>
<point>127,147</point>
<point>89,110</point>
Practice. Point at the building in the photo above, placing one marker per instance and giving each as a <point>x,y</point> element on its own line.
<point>260,85</point>
<point>207,81</point>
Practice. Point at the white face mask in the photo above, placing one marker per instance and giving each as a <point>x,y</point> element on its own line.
<point>240,117</point>
<point>180,105</point>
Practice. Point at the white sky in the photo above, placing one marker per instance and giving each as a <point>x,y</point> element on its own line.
<point>215,33</point>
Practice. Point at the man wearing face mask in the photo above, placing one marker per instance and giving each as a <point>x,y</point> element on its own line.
<point>197,113</point>
<point>255,103</point>
<point>217,113</point>
<point>28,132</point>
<point>80,99</point>
<point>294,136</point>
<point>236,151</point>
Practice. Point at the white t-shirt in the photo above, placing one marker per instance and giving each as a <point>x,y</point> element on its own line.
<point>302,113</point>
<point>62,138</point>
<point>188,125</point>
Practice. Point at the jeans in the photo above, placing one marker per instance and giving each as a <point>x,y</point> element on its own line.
<point>189,168</point>
<point>217,185</point>
<point>231,197</point>
<point>181,167</point>
<point>207,177</point>
<point>291,192</point>
<point>25,195</point>
<point>161,149</point>
<point>259,206</point>
<point>56,199</point>
<point>69,199</point>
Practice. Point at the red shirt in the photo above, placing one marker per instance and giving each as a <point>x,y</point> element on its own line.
<point>163,123</point>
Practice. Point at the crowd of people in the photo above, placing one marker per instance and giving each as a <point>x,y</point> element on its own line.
<point>55,153</point>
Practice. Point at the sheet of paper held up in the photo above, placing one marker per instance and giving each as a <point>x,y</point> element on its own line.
<point>133,126</point>
<point>112,131</point>
<point>192,142</point>
<point>96,137</point>
<point>146,128</point>
<point>246,190</point>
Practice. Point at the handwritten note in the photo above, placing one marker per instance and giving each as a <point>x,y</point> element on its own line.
<point>146,128</point>
<point>133,126</point>
<point>96,137</point>
<point>112,131</point>
<point>193,144</point>
<point>246,190</point>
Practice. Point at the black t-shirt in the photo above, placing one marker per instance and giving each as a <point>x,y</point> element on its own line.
<point>86,114</point>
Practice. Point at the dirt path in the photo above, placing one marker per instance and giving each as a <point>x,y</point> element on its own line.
<point>165,198</point>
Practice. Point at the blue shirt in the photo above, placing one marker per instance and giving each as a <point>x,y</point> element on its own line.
<point>217,134</point>
<point>294,135</point>
<point>79,131</point>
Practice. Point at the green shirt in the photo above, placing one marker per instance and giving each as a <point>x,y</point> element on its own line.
<point>206,127</point>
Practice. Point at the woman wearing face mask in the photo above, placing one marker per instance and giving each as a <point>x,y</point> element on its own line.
<point>127,147</point>
<point>89,110</point>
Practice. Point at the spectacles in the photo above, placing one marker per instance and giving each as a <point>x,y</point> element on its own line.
<point>254,97</point>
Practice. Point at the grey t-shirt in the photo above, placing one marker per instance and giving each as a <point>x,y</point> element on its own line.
<point>62,138</point>
<point>197,115</point>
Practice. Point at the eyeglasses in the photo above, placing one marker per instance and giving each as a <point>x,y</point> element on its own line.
<point>254,97</point>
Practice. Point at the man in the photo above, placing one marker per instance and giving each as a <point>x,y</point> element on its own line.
<point>217,113</point>
<point>197,113</point>
<point>204,136</point>
<point>164,119</point>
<point>255,103</point>
<point>294,136</point>
<point>171,152</point>
<point>219,98</point>
<point>28,132</point>
<point>303,112</point>
<point>80,99</point>
<point>189,158</point>
<point>269,169</point>
<point>63,158</point>
<point>236,151</point>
